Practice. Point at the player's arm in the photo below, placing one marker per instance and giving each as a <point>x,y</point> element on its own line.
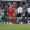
<point>7,10</point>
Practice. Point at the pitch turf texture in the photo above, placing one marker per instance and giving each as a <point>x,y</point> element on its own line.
<point>14,26</point>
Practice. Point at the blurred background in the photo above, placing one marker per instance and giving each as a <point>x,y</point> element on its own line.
<point>21,10</point>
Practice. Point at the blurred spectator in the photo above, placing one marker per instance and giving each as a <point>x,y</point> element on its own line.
<point>28,9</point>
<point>28,21</point>
<point>1,5</point>
<point>0,18</point>
<point>5,19</point>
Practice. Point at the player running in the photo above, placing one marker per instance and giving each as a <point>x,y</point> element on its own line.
<point>11,12</point>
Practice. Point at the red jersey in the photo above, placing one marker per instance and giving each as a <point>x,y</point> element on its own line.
<point>11,10</point>
<point>11,13</point>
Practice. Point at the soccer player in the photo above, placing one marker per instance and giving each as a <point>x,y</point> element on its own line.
<point>11,13</point>
<point>19,13</point>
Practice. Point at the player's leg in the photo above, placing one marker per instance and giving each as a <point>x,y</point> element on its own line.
<point>7,19</point>
<point>1,20</point>
<point>11,20</point>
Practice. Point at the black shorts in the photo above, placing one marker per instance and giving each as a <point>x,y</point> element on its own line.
<point>18,15</point>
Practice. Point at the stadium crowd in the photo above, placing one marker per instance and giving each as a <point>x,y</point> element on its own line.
<point>17,12</point>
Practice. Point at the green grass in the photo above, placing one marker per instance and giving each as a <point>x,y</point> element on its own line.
<point>14,26</point>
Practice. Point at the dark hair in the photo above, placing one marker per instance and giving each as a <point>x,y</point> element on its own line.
<point>23,3</point>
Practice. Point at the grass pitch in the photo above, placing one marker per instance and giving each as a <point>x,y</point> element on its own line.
<point>14,26</point>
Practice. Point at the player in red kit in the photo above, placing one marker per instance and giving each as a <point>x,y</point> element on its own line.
<point>11,13</point>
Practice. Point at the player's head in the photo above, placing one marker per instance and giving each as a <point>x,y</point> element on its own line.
<point>14,2</point>
<point>10,6</point>
<point>14,5</point>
